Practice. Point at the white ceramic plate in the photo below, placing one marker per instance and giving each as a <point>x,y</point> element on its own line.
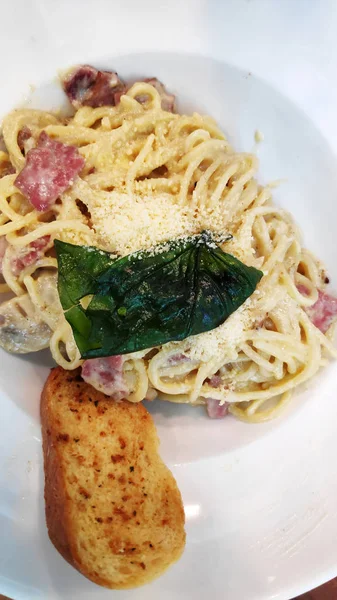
<point>259,499</point>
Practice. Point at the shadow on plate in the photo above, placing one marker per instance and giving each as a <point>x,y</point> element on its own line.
<point>170,410</point>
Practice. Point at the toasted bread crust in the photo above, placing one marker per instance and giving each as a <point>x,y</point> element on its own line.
<point>113,509</point>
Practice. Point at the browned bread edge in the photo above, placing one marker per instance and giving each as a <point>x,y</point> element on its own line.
<point>160,519</point>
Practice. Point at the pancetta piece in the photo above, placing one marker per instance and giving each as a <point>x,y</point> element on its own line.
<point>50,169</point>
<point>28,255</point>
<point>24,135</point>
<point>3,247</point>
<point>106,375</point>
<point>86,86</point>
<point>167,99</point>
<point>323,312</point>
<point>214,410</point>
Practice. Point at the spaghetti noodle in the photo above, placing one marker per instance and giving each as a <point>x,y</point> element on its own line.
<point>150,176</point>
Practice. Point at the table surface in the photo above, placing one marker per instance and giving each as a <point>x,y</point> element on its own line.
<point>328,591</point>
<point>325,592</point>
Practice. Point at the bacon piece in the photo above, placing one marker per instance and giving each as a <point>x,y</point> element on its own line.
<point>23,135</point>
<point>215,381</point>
<point>29,255</point>
<point>175,359</point>
<point>167,100</point>
<point>323,312</point>
<point>3,246</point>
<point>86,86</point>
<point>50,169</point>
<point>214,410</point>
<point>6,168</point>
<point>302,290</point>
<point>106,375</point>
<point>118,95</point>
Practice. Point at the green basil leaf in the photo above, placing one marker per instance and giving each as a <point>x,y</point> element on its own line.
<point>149,298</point>
<point>78,269</point>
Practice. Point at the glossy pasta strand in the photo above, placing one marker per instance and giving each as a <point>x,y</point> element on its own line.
<point>138,153</point>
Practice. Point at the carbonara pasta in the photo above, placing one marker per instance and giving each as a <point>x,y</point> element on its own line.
<point>150,175</point>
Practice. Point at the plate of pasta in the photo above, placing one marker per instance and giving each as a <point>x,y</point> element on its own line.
<point>165,247</point>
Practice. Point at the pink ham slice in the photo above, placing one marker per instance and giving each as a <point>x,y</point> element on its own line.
<point>106,375</point>
<point>214,410</point>
<point>323,312</point>
<point>50,169</point>
<point>86,86</point>
<point>29,254</point>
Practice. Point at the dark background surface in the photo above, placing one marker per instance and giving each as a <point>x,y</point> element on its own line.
<point>325,592</point>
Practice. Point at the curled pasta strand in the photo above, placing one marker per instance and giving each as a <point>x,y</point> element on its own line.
<point>137,153</point>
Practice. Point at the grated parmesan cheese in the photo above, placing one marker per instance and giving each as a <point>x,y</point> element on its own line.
<point>126,224</point>
<point>220,342</point>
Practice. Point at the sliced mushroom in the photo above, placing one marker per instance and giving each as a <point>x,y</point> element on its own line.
<point>21,330</point>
